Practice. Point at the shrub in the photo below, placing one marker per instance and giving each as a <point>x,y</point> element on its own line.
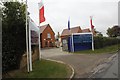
<point>100,42</point>
<point>13,35</point>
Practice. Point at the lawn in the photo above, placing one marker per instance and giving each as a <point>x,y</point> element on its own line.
<point>108,49</point>
<point>46,69</point>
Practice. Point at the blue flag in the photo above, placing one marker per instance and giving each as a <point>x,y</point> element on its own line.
<point>69,24</point>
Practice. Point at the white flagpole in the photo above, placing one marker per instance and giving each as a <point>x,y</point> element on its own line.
<point>40,55</point>
<point>72,44</point>
<point>27,38</point>
<point>30,47</point>
<point>92,35</point>
<point>92,42</point>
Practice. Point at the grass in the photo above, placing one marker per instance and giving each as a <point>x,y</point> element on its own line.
<point>108,49</point>
<point>46,69</point>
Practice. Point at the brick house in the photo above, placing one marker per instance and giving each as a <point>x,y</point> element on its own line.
<point>47,36</point>
<point>66,33</point>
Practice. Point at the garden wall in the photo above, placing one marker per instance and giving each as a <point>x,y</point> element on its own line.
<point>35,56</point>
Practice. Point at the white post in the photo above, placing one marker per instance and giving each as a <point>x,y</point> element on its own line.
<point>27,39</point>
<point>40,56</point>
<point>92,42</point>
<point>72,43</point>
<point>30,53</point>
<point>92,34</point>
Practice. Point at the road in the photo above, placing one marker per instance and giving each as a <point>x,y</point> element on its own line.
<point>108,69</point>
<point>82,63</point>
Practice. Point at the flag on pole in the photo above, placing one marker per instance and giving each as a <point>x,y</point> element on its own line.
<point>41,19</point>
<point>68,24</point>
<point>92,27</point>
<point>41,12</point>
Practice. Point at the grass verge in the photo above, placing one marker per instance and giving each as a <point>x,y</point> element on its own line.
<point>46,69</point>
<point>108,49</point>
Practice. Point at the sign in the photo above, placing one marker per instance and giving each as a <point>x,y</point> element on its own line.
<point>80,41</point>
<point>82,38</point>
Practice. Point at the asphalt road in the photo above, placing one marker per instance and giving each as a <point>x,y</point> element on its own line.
<point>82,63</point>
<point>108,69</point>
<point>112,72</point>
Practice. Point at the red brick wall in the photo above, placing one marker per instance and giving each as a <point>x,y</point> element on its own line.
<point>45,39</point>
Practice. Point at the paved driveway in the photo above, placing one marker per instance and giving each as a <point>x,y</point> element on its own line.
<point>82,63</point>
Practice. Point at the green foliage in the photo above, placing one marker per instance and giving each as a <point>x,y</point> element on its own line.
<point>114,31</point>
<point>13,35</point>
<point>100,42</point>
<point>100,34</point>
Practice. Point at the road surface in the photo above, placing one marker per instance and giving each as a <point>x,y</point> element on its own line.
<point>82,63</point>
<point>108,69</point>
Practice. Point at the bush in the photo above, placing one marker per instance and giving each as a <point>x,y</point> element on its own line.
<point>100,42</point>
<point>13,35</point>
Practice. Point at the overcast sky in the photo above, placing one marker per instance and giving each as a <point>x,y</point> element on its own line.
<point>57,13</point>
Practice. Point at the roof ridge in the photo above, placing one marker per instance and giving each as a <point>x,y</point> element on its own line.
<point>44,25</point>
<point>72,28</point>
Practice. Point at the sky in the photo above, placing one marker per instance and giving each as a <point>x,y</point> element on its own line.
<point>57,13</point>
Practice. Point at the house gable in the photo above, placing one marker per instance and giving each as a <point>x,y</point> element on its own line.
<point>48,26</point>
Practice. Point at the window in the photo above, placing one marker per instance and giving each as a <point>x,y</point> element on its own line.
<point>48,35</point>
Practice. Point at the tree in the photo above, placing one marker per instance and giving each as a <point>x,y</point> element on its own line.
<point>13,35</point>
<point>114,31</point>
<point>98,33</point>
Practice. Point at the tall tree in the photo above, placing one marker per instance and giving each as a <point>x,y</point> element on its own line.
<point>13,35</point>
<point>114,31</point>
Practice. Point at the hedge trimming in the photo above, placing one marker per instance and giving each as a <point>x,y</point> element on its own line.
<point>100,42</point>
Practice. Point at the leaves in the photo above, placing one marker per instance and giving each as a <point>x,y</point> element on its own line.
<point>114,31</point>
<point>13,35</point>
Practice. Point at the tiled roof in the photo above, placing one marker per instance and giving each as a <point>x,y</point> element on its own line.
<point>42,28</point>
<point>73,30</point>
<point>86,30</point>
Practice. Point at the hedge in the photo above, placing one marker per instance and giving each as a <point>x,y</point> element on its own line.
<point>13,35</point>
<point>100,42</point>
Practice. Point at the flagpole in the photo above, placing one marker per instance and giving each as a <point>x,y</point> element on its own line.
<point>42,20</point>
<point>71,35</point>
<point>30,53</point>
<point>92,41</point>
<point>92,34</point>
<point>27,39</point>
<point>40,54</point>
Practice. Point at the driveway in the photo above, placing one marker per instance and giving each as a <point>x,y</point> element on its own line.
<point>82,63</point>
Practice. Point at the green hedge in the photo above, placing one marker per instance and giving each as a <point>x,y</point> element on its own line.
<point>100,42</point>
<point>13,35</point>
